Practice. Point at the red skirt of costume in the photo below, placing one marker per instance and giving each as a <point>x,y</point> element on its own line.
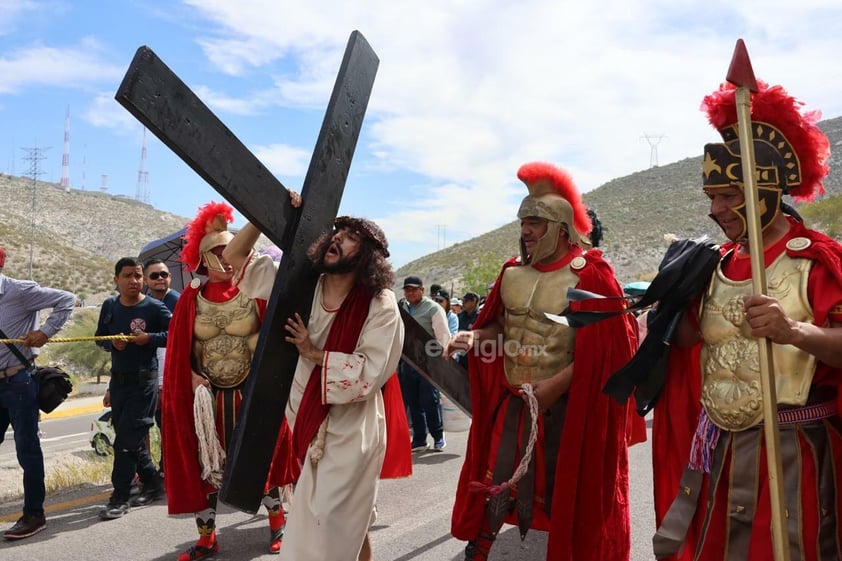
<point>186,491</point>
<point>589,504</point>
<point>736,492</point>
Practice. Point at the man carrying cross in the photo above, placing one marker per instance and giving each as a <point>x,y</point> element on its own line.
<point>348,353</point>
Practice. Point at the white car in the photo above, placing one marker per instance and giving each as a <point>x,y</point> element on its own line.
<point>102,434</point>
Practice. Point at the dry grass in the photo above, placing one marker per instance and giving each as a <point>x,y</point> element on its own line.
<point>69,470</point>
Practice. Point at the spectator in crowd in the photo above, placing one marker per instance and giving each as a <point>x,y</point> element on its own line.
<point>157,277</point>
<point>470,311</point>
<point>133,388</point>
<point>456,306</point>
<point>434,288</point>
<point>442,298</point>
<point>421,396</point>
<point>20,303</point>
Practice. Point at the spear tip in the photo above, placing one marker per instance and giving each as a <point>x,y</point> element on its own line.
<point>740,72</point>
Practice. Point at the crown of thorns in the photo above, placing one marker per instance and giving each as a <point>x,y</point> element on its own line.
<point>365,228</point>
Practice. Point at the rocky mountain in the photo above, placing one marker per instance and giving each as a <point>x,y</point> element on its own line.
<point>78,235</point>
<point>636,211</point>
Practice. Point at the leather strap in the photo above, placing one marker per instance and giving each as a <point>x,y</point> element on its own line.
<point>26,362</point>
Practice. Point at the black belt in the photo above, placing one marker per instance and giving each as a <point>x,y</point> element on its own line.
<point>134,375</point>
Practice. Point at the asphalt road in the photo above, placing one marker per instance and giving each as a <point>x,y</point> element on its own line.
<point>413,518</point>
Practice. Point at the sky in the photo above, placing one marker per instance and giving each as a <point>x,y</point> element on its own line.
<point>466,92</point>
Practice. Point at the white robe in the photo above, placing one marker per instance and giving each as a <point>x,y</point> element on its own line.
<point>333,504</point>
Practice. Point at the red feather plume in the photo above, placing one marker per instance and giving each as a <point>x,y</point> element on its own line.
<point>563,185</point>
<point>212,216</point>
<point>773,105</point>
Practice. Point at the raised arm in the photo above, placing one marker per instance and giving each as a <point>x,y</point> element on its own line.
<point>238,249</point>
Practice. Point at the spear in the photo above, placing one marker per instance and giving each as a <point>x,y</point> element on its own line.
<point>741,75</point>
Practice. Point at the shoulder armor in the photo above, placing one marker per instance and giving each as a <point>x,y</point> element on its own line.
<point>798,244</point>
<point>578,263</point>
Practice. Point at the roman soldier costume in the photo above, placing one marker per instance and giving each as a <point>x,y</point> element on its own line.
<point>215,330</point>
<point>723,510</point>
<point>568,474</point>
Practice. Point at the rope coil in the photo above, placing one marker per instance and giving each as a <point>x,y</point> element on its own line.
<point>528,395</point>
<point>211,454</point>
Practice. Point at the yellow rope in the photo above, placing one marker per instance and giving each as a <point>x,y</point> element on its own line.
<point>77,339</point>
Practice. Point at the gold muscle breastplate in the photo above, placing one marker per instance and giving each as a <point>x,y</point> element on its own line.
<point>224,339</point>
<point>731,391</point>
<point>535,348</point>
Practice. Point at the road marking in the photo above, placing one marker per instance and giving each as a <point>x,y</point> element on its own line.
<point>53,439</point>
<point>65,505</point>
<point>73,411</point>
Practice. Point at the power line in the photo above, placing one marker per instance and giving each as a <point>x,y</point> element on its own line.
<point>34,157</point>
<point>441,236</point>
<point>653,140</point>
<point>65,156</point>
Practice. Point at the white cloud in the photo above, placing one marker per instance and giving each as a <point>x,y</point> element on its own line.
<point>75,67</point>
<point>468,91</point>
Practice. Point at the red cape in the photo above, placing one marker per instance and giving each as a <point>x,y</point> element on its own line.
<point>677,411</point>
<point>398,460</point>
<point>590,516</point>
<point>186,491</point>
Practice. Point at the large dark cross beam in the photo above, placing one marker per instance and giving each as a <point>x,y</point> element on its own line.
<point>167,107</point>
<point>420,351</point>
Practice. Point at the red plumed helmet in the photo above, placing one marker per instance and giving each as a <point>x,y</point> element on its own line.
<point>208,230</point>
<point>774,106</point>
<point>542,178</point>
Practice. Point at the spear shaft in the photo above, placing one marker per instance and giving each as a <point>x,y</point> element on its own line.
<point>741,74</point>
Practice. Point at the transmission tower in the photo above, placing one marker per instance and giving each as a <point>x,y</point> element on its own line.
<point>441,236</point>
<point>65,155</point>
<point>653,140</point>
<point>142,191</point>
<point>84,164</point>
<point>34,157</point>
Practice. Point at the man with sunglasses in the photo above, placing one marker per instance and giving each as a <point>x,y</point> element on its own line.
<point>157,277</point>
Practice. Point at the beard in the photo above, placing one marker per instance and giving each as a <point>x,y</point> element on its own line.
<point>342,266</point>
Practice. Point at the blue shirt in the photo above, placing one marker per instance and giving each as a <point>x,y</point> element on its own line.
<point>148,315</point>
<point>20,302</point>
<point>452,322</point>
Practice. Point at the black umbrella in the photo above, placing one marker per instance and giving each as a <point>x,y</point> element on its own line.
<point>168,250</point>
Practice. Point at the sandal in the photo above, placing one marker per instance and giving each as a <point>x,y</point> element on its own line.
<point>199,552</point>
<point>275,539</point>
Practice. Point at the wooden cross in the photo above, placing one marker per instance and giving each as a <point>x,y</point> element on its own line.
<point>170,110</point>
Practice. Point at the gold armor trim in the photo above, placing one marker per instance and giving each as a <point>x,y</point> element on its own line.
<point>224,339</point>
<point>534,347</point>
<point>798,244</point>
<point>731,385</point>
<point>578,263</point>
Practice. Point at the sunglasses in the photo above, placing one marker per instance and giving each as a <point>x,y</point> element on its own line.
<point>156,275</point>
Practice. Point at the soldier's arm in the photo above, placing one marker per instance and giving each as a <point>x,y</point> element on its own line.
<point>238,249</point>
<point>767,319</point>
